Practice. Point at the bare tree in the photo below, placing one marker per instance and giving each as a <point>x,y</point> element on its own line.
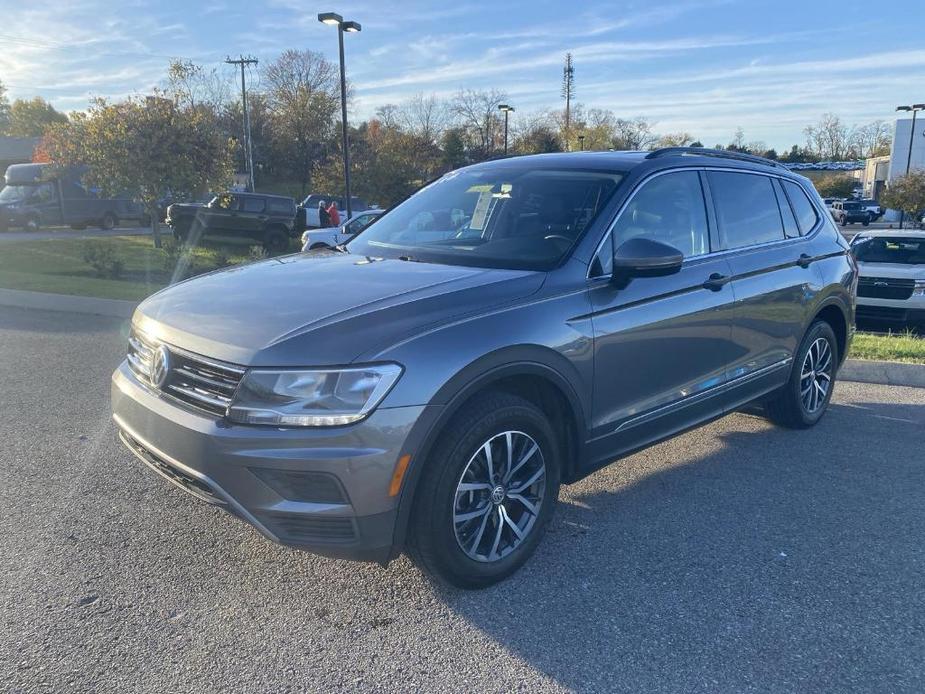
<point>634,133</point>
<point>679,139</point>
<point>191,85</point>
<point>873,139</point>
<point>830,138</point>
<point>477,114</point>
<point>424,116</point>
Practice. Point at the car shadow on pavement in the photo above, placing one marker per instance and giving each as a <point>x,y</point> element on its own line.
<point>780,560</point>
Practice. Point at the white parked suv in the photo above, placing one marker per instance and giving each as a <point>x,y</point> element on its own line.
<point>891,284</point>
<point>315,239</point>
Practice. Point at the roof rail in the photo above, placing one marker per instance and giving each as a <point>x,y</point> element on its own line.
<point>719,153</point>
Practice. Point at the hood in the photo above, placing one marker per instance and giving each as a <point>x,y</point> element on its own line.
<point>893,270</point>
<point>307,310</point>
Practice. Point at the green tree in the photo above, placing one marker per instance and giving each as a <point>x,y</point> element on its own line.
<point>453,144</point>
<point>149,148</point>
<point>837,186</point>
<point>906,193</point>
<point>302,92</point>
<point>30,118</point>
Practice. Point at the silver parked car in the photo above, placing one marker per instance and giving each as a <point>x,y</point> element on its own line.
<point>511,327</point>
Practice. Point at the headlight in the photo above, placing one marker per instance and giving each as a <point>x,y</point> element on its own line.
<point>304,237</point>
<point>919,288</point>
<point>315,398</point>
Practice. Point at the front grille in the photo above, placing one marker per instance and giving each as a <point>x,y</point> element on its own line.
<point>885,288</point>
<point>203,383</point>
<point>187,482</point>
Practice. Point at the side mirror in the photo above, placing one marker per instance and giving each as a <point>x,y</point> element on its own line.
<point>641,257</point>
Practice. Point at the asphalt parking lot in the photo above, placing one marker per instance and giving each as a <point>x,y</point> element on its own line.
<point>736,558</point>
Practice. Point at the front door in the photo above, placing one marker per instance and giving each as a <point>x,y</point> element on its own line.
<point>661,344</point>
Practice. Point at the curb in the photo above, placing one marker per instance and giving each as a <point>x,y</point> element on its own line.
<point>66,303</point>
<point>890,373</point>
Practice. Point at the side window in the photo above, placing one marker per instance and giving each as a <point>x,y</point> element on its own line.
<point>669,208</point>
<point>253,204</point>
<point>746,209</point>
<point>280,206</point>
<point>802,207</point>
<point>360,223</point>
<point>786,213</point>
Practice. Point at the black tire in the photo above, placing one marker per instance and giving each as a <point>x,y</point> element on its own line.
<point>109,221</point>
<point>276,240</point>
<point>787,407</point>
<point>434,543</point>
<point>844,222</point>
<point>866,223</point>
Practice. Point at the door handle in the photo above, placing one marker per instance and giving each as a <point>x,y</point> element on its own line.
<point>715,282</point>
<point>804,260</point>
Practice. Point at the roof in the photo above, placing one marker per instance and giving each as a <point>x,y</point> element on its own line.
<point>626,160</point>
<point>17,149</point>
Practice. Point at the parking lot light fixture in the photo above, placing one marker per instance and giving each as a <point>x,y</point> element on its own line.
<point>581,142</point>
<point>334,19</point>
<point>506,109</point>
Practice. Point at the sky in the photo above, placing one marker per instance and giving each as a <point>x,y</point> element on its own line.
<point>703,66</point>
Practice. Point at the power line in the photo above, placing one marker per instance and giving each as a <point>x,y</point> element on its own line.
<point>248,153</point>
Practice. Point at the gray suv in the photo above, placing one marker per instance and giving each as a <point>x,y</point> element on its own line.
<point>511,327</point>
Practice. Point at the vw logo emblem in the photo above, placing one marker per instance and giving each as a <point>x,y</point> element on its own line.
<point>498,494</point>
<point>160,367</point>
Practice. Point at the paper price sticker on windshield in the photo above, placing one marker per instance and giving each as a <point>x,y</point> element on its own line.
<point>480,214</point>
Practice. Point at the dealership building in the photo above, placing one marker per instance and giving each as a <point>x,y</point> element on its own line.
<point>878,171</point>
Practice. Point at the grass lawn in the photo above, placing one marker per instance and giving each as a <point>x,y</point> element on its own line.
<point>57,266</point>
<point>903,346</point>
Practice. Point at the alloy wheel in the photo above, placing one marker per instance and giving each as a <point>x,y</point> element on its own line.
<point>816,375</point>
<point>499,496</point>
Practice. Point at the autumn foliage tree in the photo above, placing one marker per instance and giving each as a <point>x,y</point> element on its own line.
<point>150,148</point>
<point>906,193</point>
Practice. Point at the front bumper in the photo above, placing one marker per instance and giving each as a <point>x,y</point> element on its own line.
<point>324,490</point>
<point>906,311</point>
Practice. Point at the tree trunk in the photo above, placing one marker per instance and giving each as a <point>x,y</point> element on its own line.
<point>155,224</point>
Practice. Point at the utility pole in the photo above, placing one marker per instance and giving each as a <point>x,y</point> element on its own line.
<point>568,87</point>
<point>248,152</point>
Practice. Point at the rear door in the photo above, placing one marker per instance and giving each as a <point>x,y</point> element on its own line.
<point>773,278</point>
<point>252,217</point>
<point>661,344</point>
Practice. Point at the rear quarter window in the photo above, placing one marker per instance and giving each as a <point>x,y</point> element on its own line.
<point>802,207</point>
<point>280,206</point>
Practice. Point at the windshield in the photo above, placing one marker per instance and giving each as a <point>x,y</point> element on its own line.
<point>888,249</point>
<point>16,193</point>
<point>510,217</point>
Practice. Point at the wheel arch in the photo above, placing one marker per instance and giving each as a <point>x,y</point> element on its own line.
<point>835,314</point>
<point>523,375</point>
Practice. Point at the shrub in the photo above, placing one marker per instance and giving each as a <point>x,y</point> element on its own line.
<point>259,253</point>
<point>104,260</point>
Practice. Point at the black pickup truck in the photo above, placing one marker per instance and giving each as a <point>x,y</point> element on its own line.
<point>265,219</point>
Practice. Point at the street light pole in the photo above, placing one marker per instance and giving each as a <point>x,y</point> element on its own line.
<point>915,108</point>
<point>333,18</point>
<point>506,109</point>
